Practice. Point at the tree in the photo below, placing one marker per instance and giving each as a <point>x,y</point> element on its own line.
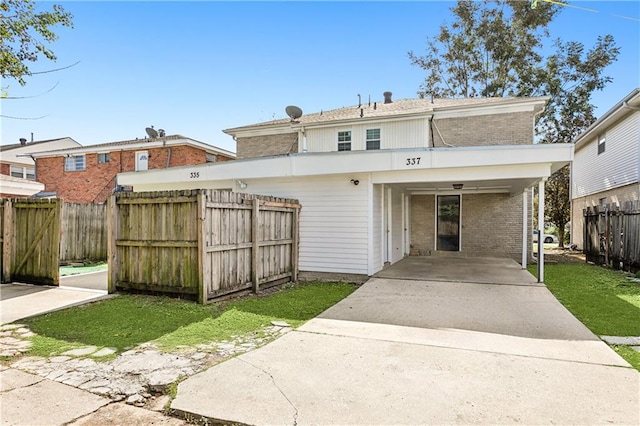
<point>26,33</point>
<point>495,48</point>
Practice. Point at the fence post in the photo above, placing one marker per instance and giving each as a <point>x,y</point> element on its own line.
<point>57,235</point>
<point>607,235</point>
<point>7,243</point>
<point>203,276</point>
<point>112,235</point>
<point>255,244</point>
<point>294,245</point>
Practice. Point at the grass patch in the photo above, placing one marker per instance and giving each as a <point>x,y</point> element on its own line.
<point>121,322</point>
<point>49,346</point>
<point>125,321</point>
<point>295,305</point>
<point>630,355</point>
<point>602,299</point>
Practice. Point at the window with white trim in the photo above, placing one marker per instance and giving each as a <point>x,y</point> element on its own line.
<point>601,143</point>
<point>344,140</point>
<point>103,158</point>
<point>23,172</point>
<point>373,139</point>
<point>74,163</point>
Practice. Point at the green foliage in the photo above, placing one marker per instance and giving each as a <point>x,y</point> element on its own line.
<point>558,202</point>
<point>26,33</point>
<point>48,346</point>
<point>630,355</point>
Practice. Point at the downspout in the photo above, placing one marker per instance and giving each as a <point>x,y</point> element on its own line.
<point>304,139</point>
<point>164,144</point>
<point>533,125</point>
<point>430,142</point>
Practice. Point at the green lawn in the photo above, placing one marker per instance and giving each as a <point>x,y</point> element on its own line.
<point>85,269</point>
<point>602,299</point>
<point>127,320</point>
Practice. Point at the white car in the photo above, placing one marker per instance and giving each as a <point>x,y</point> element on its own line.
<point>547,238</point>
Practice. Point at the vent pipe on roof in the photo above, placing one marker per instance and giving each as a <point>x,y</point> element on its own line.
<point>23,141</point>
<point>387,97</point>
<point>31,137</point>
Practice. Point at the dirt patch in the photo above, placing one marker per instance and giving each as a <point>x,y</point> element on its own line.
<point>564,255</point>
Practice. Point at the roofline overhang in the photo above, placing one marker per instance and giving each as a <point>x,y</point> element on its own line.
<point>554,156</point>
<point>618,111</point>
<point>132,146</point>
<point>537,103</point>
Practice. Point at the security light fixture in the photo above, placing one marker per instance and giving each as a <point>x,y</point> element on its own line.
<point>458,185</point>
<point>243,185</point>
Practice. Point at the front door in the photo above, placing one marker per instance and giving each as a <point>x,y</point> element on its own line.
<point>448,223</point>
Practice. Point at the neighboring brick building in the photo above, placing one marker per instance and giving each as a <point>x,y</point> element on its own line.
<point>88,174</point>
<point>18,172</point>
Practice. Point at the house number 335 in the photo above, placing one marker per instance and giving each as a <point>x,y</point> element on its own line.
<point>413,161</point>
<point>194,175</point>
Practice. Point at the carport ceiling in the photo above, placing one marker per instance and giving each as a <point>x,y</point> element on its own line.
<point>512,186</point>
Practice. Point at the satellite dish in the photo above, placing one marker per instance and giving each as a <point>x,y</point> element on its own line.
<point>151,132</point>
<point>293,112</point>
<point>161,133</point>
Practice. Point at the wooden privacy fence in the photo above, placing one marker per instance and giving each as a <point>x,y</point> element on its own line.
<point>202,243</point>
<point>612,235</point>
<point>84,232</point>
<point>31,240</point>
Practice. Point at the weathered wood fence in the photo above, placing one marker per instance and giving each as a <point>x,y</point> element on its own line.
<point>612,235</point>
<point>202,243</point>
<point>84,232</point>
<point>31,240</point>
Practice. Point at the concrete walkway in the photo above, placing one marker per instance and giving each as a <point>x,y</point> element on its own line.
<point>18,301</point>
<point>416,351</point>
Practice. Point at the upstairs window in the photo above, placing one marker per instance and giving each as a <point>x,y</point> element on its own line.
<point>74,163</point>
<point>23,172</point>
<point>373,139</point>
<point>344,141</point>
<point>601,143</point>
<point>103,158</point>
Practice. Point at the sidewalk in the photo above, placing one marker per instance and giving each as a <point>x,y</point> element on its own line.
<point>28,399</point>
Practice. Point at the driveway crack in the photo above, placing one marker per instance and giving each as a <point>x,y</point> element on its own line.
<point>273,380</point>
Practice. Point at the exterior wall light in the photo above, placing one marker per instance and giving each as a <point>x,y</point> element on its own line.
<point>355,182</point>
<point>458,185</point>
<point>243,185</point>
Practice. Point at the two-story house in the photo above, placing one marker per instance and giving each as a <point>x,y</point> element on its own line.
<point>606,168</point>
<point>18,171</point>
<point>88,174</point>
<point>381,181</point>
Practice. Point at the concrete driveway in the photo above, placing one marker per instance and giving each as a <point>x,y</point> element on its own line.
<point>418,351</point>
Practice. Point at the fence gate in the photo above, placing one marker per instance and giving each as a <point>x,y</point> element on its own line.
<point>612,235</point>
<point>31,240</point>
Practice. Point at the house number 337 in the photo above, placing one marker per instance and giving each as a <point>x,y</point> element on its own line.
<point>413,161</point>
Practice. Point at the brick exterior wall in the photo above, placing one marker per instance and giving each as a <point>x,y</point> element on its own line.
<point>423,211</point>
<point>5,169</point>
<point>265,146</point>
<point>617,196</point>
<point>491,226</point>
<point>484,130</point>
<point>97,181</point>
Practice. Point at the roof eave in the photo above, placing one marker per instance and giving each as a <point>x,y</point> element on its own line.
<point>616,112</point>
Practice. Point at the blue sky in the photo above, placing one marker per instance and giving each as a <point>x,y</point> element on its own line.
<point>195,68</point>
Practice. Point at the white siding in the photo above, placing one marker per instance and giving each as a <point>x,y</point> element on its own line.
<point>395,134</point>
<point>397,250</point>
<point>617,166</point>
<point>334,225</point>
<point>377,230</point>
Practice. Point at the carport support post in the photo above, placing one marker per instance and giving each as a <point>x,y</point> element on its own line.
<point>525,228</point>
<point>541,230</point>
